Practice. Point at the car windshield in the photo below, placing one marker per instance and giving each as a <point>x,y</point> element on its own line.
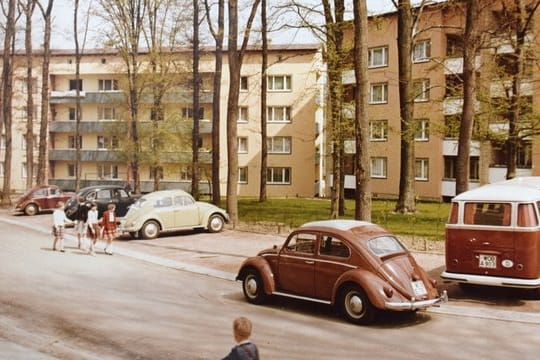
<point>385,245</point>
<point>139,203</point>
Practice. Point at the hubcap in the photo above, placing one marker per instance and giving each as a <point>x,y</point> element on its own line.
<point>251,286</point>
<point>215,223</point>
<point>354,304</point>
<point>151,229</point>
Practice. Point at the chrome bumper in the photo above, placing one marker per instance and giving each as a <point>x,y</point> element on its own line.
<point>415,305</point>
<point>492,280</point>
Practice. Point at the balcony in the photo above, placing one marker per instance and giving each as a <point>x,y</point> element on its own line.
<point>450,147</point>
<point>455,65</point>
<point>118,97</point>
<point>205,157</point>
<point>118,126</point>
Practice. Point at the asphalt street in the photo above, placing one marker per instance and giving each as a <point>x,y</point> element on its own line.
<point>220,255</point>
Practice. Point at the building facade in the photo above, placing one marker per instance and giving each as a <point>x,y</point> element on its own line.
<point>437,68</point>
<point>294,85</point>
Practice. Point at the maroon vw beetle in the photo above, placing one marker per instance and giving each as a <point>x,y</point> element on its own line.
<point>41,198</point>
<point>355,265</point>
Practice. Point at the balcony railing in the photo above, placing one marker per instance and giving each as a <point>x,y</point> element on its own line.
<point>104,155</point>
<point>118,97</point>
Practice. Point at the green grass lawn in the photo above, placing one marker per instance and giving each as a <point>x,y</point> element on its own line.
<point>427,223</point>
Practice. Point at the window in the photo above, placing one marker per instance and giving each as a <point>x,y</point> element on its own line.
<point>242,145</point>
<point>157,170</point>
<point>524,155</point>
<point>242,114</point>
<point>450,168</point>
<point>187,113</point>
<point>73,84</point>
<point>454,45</point>
<point>378,57</point>
<point>157,114</point>
<point>422,51</point>
<point>494,214</point>
<point>421,132</point>
<point>303,242</point>
<point>106,113</point>
<point>331,246</point>
<point>421,90</point>
<point>1,168</point>
<point>453,86</point>
<point>378,93</point>
<point>378,130</point>
<point>3,141</point>
<point>278,175</point>
<point>107,142</point>
<point>72,144</point>
<point>165,201</point>
<point>243,175</point>
<point>107,171</point>
<point>451,126</point>
<point>421,168</point>
<point>24,84</point>
<point>279,83</point>
<point>378,167</point>
<point>185,173</point>
<point>184,200</point>
<point>107,85</point>
<point>25,173</point>
<point>279,144</point>
<point>279,114</point>
<point>243,83</point>
<point>72,170</point>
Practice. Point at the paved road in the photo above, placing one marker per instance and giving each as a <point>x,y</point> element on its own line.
<point>220,255</point>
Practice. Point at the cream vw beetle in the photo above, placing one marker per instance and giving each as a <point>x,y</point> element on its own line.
<point>171,210</point>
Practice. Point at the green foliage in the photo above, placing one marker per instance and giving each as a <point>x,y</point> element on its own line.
<point>427,223</point>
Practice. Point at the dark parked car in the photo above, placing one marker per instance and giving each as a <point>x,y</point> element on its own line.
<point>355,265</point>
<point>102,196</point>
<point>41,198</point>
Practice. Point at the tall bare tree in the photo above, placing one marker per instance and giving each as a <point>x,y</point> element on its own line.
<point>43,168</point>
<point>28,9</point>
<point>195,176</point>
<point>235,56</point>
<point>217,34</point>
<point>264,89</point>
<point>362,171</point>
<point>7,90</point>
<point>126,21</point>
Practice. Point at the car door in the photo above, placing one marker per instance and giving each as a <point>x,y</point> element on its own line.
<point>122,200</point>
<point>296,265</point>
<point>164,210</point>
<point>186,212</point>
<point>333,261</point>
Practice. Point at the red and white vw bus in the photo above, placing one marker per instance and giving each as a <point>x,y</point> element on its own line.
<point>493,235</point>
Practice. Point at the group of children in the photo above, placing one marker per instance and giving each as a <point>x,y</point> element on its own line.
<point>88,226</point>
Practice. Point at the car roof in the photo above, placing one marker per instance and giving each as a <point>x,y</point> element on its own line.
<point>506,191</point>
<point>359,229</point>
<point>99,187</point>
<point>166,193</point>
<point>338,224</point>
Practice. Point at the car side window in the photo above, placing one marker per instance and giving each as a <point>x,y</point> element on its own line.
<point>120,193</point>
<point>41,192</point>
<point>163,202</point>
<point>302,242</point>
<point>91,196</point>
<point>331,246</point>
<point>183,200</point>
<point>103,195</point>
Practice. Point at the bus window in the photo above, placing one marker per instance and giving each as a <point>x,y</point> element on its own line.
<point>493,214</point>
<point>527,215</point>
<point>453,218</point>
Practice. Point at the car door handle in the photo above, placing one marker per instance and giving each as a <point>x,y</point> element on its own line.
<point>310,262</point>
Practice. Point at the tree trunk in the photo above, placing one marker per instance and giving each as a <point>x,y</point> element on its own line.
<point>264,84</point>
<point>406,199</point>
<point>7,91</point>
<point>362,171</point>
<point>196,116</point>
<point>29,11</point>
<point>78,137</point>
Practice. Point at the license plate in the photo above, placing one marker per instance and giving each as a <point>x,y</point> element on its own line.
<point>487,261</point>
<point>418,288</point>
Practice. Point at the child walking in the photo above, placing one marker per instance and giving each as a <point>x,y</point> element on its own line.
<point>110,228</point>
<point>93,228</point>
<point>59,223</point>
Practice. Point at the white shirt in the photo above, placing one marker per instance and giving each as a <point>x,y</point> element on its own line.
<point>92,217</point>
<point>59,218</point>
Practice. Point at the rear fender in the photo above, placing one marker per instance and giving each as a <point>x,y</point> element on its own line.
<point>369,282</point>
<point>261,265</point>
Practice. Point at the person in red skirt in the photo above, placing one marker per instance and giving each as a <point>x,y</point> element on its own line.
<point>110,228</point>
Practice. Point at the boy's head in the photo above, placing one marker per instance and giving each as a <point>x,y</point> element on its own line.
<point>241,328</point>
<point>110,207</point>
<point>93,206</point>
<point>60,205</point>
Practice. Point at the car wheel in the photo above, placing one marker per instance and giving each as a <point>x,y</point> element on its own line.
<point>215,223</point>
<point>150,230</point>
<point>31,209</point>
<point>356,306</point>
<point>253,287</point>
